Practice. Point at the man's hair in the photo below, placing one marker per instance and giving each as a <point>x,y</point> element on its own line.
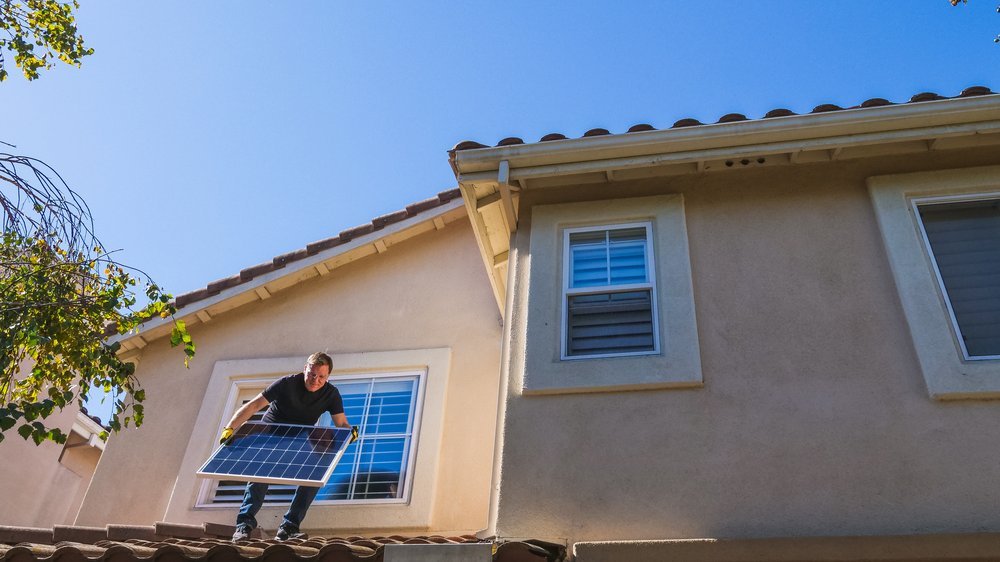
<point>320,358</point>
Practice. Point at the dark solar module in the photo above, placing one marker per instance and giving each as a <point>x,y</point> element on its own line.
<point>279,454</point>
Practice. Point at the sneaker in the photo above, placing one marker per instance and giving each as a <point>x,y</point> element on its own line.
<point>242,533</point>
<point>283,535</point>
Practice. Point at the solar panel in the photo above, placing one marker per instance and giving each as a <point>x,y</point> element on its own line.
<point>278,453</point>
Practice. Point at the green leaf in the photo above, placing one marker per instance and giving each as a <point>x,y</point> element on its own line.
<point>24,431</point>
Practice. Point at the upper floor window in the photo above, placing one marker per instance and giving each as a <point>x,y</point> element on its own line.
<point>963,239</point>
<point>941,231</point>
<point>608,292</point>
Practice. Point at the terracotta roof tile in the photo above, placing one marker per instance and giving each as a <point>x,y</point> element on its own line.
<point>285,259</point>
<point>170,542</point>
<point>382,221</point>
<point>687,122</point>
<point>925,96</point>
<point>825,108</point>
<point>779,112</point>
<point>638,128</point>
<point>326,244</point>
<point>975,91</point>
<point>876,102</point>
<point>510,141</point>
<point>734,117</point>
<point>352,233</point>
<point>255,270</point>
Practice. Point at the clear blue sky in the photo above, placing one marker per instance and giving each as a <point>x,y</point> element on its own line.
<point>209,136</point>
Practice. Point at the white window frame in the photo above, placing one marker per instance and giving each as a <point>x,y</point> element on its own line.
<point>568,292</point>
<point>918,202</point>
<point>252,387</point>
<point>947,371</point>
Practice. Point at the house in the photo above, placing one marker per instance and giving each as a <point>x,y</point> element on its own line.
<point>753,333</point>
<point>751,340</point>
<point>51,491</point>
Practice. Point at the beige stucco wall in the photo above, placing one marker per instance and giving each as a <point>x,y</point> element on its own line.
<point>429,292</point>
<point>814,418</point>
<point>36,489</point>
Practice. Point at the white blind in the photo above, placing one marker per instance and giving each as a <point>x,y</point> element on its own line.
<point>965,240</point>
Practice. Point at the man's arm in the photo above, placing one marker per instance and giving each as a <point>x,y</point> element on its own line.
<point>243,414</point>
<point>340,420</point>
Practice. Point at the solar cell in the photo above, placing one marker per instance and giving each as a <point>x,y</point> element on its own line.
<point>277,453</point>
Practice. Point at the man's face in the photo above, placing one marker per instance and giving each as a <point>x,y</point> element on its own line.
<point>315,376</point>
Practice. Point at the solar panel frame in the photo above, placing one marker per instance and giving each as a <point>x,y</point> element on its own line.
<point>278,453</point>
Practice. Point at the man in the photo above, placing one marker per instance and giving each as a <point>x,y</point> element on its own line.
<point>299,399</point>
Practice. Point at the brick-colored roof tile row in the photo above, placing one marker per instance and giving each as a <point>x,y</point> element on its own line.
<point>733,117</point>
<point>278,262</point>
<point>170,542</point>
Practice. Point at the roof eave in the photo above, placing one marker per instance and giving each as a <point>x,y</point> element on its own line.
<point>293,273</point>
<point>847,127</point>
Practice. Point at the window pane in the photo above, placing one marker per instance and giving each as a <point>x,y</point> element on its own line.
<point>965,240</point>
<point>608,257</point>
<point>372,468</point>
<point>610,323</point>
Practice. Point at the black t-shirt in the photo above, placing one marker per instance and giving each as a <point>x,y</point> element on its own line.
<point>292,403</point>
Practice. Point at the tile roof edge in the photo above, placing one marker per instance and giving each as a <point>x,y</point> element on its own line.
<point>888,112</point>
<point>220,290</point>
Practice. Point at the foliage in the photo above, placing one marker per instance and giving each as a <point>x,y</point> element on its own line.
<point>46,24</point>
<point>61,295</point>
<point>957,2</point>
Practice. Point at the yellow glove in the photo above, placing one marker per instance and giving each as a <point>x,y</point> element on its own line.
<point>354,434</point>
<point>226,434</point>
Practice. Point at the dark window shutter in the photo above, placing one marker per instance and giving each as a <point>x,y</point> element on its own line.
<point>965,241</point>
<point>607,323</point>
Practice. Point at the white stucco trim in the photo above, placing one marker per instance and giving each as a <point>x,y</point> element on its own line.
<point>678,363</point>
<point>229,377</point>
<point>946,371</point>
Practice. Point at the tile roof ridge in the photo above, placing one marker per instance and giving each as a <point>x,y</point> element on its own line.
<point>278,262</point>
<point>970,91</point>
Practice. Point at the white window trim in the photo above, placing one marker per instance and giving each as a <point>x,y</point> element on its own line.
<point>182,505</point>
<point>949,375</point>
<point>536,332</point>
<point>567,292</point>
<point>917,202</point>
<point>256,385</point>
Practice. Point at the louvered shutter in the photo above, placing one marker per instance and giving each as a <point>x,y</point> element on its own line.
<point>965,241</point>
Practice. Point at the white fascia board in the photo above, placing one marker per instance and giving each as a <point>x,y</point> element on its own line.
<point>840,123</point>
<point>293,268</point>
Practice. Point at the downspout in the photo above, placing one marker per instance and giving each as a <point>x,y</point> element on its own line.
<point>491,530</point>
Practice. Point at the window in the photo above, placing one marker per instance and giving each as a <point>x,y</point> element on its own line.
<point>963,238</point>
<point>375,467</point>
<point>605,301</point>
<point>940,231</point>
<point>608,290</point>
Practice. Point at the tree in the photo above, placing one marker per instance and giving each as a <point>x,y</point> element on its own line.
<point>61,295</point>
<point>46,24</point>
<point>957,2</point>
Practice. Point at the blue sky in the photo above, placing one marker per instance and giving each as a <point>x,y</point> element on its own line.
<point>210,136</point>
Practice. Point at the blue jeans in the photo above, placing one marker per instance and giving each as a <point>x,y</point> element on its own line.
<point>253,498</point>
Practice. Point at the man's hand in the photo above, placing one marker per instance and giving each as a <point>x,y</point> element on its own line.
<point>354,434</point>
<point>226,434</point>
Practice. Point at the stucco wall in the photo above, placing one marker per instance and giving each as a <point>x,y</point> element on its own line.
<point>36,490</point>
<point>814,418</point>
<point>427,292</point>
